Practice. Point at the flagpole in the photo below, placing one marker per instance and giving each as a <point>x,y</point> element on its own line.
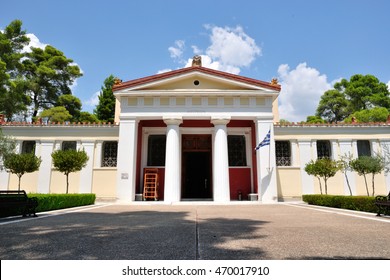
<point>269,150</point>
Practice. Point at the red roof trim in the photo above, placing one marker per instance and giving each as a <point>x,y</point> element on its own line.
<point>170,74</point>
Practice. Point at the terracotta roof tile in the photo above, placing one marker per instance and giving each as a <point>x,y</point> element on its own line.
<point>186,70</point>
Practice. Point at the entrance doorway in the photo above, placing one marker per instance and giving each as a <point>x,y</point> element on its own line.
<point>196,167</point>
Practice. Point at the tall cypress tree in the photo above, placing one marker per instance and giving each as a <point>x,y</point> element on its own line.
<point>105,110</point>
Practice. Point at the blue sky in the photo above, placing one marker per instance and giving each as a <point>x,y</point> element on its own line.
<point>307,45</point>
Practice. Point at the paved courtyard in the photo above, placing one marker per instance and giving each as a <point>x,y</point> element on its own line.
<point>284,231</point>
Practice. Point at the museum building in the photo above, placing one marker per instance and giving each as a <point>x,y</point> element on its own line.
<point>197,134</point>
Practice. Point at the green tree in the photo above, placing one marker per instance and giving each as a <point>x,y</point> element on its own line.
<point>333,106</point>
<point>20,164</point>
<point>377,114</point>
<point>312,169</point>
<point>314,119</point>
<point>49,74</point>
<point>324,168</point>
<point>69,161</point>
<point>88,117</point>
<point>13,99</point>
<point>105,110</point>
<point>360,92</point>
<point>365,165</point>
<point>56,114</point>
<point>365,92</point>
<point>72,104</point>
<point>7,146</point>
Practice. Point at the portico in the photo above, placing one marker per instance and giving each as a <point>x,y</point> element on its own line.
<point>198,127</point>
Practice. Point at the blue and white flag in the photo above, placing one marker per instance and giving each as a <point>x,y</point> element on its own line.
<point>265,141</point>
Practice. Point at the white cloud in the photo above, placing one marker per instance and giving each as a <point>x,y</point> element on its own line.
<point>301,91</point>
<point>196,50</point>
<point>176,51</point>
<point>232,46</point>
<point>34,42</point>
<point>164,71</point>
<point>388,85</point>
<point>229,50</point>
<point>93,100</point>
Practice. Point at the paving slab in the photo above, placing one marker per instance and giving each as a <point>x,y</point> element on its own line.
<point>196,231</point>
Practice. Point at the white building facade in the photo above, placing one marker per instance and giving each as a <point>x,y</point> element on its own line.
<point>198,129</point>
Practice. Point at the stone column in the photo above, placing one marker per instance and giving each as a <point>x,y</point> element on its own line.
<point>172,183</point>
<point>221,185</point>
<point>126,163</point>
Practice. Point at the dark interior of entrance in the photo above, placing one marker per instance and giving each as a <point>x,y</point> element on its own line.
<point>196,167</point>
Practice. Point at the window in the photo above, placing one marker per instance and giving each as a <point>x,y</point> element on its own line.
<point>236,150</point>
<point>363,147</point>
<point>69,145</point>
<point>110,154</point>
<point>323,149</point>
<point>156,150</point>
<point>28,147</point>
<point>283,153</point>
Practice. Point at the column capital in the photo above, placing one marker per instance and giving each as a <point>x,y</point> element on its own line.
<point>173,120</point>
<point>220,120</point>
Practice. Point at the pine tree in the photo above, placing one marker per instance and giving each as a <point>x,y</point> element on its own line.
<point>105,110</point>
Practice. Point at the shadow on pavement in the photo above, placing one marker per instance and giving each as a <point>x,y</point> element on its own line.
<point>132,235</point>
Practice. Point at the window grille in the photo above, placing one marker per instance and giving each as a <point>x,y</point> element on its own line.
<point>28,147</point>
<point>110,154</point>
<point>364,148</point>
<point>236,150</point>
<point>156,150</point>
<point>323,149</point>
<point>69,145</point>
<point>283,153</point>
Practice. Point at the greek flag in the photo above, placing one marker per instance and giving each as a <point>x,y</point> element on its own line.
<point>265,141</point>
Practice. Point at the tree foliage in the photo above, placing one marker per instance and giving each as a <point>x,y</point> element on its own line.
<point>13,99</point>
<point>324,168</point>
<point>333,106</point>
<point>314,119</point>
<point>377,114</point>
<point>7,146</point>
<point>105,110</point>
<point>365,165</point>
<point>72,104</point>
<point>36,77</point>
<point>20,164</point>
<point>87,117</point>
<point>360,93</point>
<point>49,74</point>
<point>69,161</point>
<point>56,114</point>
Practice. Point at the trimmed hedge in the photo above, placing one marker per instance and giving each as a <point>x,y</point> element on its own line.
<point>357,203</point>
<point>48,202</point>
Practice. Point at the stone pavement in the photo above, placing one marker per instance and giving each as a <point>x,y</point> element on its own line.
<point>185,231</point>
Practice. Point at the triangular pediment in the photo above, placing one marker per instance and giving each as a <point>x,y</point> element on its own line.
<point>196,79</point>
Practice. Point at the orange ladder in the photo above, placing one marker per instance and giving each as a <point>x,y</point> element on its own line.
<point>150,184</point>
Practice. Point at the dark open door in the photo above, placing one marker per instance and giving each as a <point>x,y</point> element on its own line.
<point>196,167</point>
